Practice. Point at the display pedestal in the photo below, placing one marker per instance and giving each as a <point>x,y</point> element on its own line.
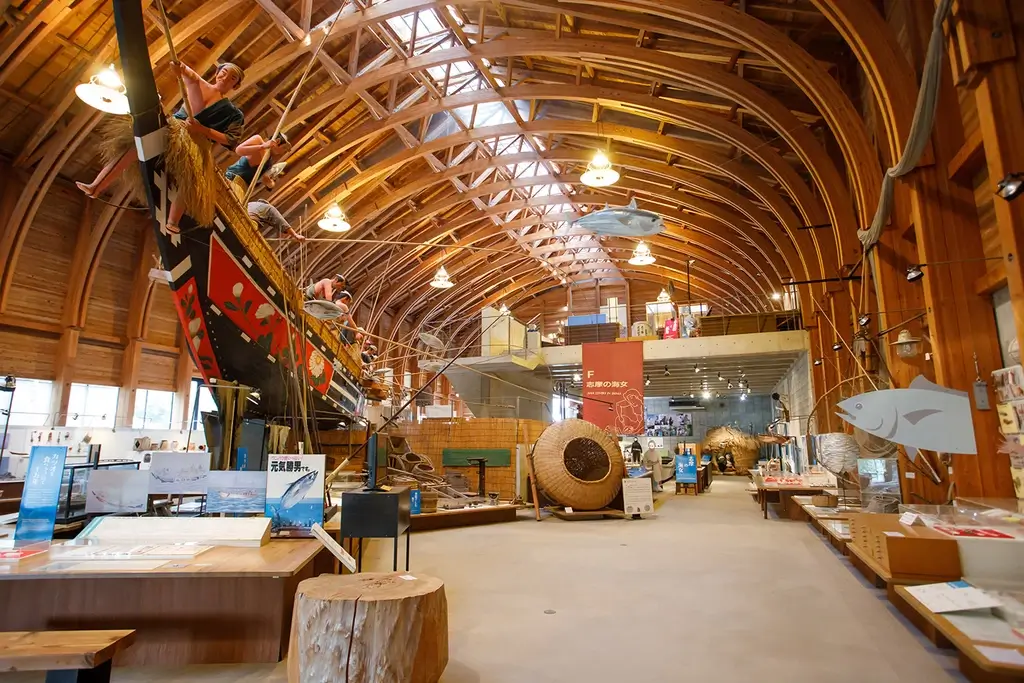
<point>372,628</point>
<point>376,514</point>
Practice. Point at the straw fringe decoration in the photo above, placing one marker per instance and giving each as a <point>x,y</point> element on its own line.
<point>578,465</point>
<point>188,161</point>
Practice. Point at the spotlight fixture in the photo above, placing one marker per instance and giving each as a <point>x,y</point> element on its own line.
<point>105,92</point>
<point>599,172</point>
<point>691,394</point>
<point>441,279</point>
<point>1010,186</point>
<point>642,255</point>
<point>663,297</point>
<point>696,368</point>
<point>718,394</point>
<point>742,374</point>
<point>730,384</point>
<point>776,296</point>
<point>864,320</point>
<point>706,394</point>
<point>667,373</point>
<point>334,220</point>
<point>743,397</point>
<point>817,362</point>
<point>837,346</point>
<point>914,273</point>
<point>647,380</point>
<point>576,377</point>
<point>719,377</point>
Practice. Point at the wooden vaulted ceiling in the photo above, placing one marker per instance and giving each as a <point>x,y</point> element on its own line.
<point>455,133</point>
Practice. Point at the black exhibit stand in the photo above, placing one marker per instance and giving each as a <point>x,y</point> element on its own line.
<point>376,514</point>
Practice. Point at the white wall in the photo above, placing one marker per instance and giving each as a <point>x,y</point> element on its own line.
<point>797,392</point>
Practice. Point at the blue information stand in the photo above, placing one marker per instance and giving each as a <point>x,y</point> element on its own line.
<point>38,512</point>
<point>686,469</point>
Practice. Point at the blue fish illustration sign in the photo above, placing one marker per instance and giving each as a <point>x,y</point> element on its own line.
<point>295,493</point>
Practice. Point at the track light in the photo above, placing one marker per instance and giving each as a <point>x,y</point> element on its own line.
<point>719,377</point>
<point>691,394</point>
<point>647,380</point>
<point>817,361</point>
<point>696,368</point>
<point>914,273</point>
<point>642,255</point>
<point>706,394</point>
<point>576,377</point>
<point>864,320</point>
<point>334,220</point>
<point>730,384</point>
<point>667,373</point>
<point>837,346</point>
<point>599,172</point>
<point>1010,186</point>
<point>743,397</point>
<point>441,279</point>
<point>742,374</point>
<point>718,394</point>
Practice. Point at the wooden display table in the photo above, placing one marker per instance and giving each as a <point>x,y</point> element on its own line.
<point>226,605</point>
<point>782,494</point>
<point>975,664</point>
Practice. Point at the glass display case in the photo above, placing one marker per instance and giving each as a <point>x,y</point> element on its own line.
<point>71,504</point>
<point>879,484</point>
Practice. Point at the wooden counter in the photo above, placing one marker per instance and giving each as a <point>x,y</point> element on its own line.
<point>975,665</point>
<point>227,605</point>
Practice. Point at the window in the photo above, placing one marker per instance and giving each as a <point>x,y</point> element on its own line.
<point>29,404</point>
<point>153,409</point>
<point>200,400</point>
<point>658,313</point>
<point>92,405</point>
<point>693,309</point>
<point>563,408</point>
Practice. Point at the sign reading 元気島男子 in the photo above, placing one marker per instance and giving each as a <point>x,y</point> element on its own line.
<point>613,386</point>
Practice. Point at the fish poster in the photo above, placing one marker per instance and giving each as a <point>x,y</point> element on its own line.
<point>116,491</point>
<point>237,492</point>
<point>178,473</point>
<point>295,493</point>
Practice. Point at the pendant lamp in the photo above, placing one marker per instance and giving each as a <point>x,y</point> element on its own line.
<point>664,298</point>
<point>441,279</point>
<point>642,255</point>
<point>105,92</point>
<point>334,220</point>
<point>599,172</point>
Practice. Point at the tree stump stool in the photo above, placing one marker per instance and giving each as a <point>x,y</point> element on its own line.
<point>369,628</point>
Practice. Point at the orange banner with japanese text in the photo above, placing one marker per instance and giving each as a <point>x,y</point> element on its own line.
<point>613,386</point>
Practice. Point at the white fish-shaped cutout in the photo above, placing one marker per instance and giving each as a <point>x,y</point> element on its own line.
<point>622,220</point>
<point>922,416</point>
<point>296,490</point>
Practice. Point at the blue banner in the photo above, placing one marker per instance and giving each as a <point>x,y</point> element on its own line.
<point>686,469</point>
<point>38,511</point>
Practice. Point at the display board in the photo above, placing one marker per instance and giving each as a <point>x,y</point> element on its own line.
<point>637,497</point>
<point>117,491</point>
<point>236,492</point>
<point>39,498</point>
<point>674,424</point>
<point>295,493</point>
<point>686,469</point>
<point>613,386</point>
<point>176,473</point>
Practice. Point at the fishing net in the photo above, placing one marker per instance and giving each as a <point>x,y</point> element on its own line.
<point>578,465</point>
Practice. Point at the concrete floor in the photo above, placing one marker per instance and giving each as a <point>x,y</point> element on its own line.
<point>705,591</point>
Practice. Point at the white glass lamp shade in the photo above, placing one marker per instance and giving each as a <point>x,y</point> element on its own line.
<point>105,92</point>
<point>642,255</point>
<point>441,279</point>
<point>599,172</point>
<point>334,220</point>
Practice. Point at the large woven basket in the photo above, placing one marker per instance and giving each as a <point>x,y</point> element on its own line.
<point>578,465</point>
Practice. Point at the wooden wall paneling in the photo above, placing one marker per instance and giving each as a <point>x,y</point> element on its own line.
<point>28,354</point>
<point>157,370</point>
<point>98,363</point>
<point>107,288</point>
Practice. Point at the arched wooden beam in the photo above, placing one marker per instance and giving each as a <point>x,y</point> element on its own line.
<point>453,262</point>
<point>885,65</point>
<point>846,124</point>
<point>771,198</point>
<point>398,229</point>
<point>20,220</point>
<point>87,261</point>
<point>642,105</point>
<point>745,210</point>
<point>670,69</point>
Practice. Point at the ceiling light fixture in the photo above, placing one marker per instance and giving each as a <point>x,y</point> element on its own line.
<point>503,311</point>
<point>914,273</point>
<point>441,279</point>
<point>864,320</point>
<point>730,384</point>
<point>334,220</point>
<point>1010,186</point>
<point>576,377</point>
<point>647,381</point>
<point>743,397</point>
<point>663,297</point>
<point>696,368</point>
<point>719,377</point>
<point>691,394</point>
<point>599,172</point>
<point>105,92</point>
<point>838,346</point>
<point>817,361</point>
<point>776,296</point>
<point>706,394</point>
<point>642,255</point>
<point>667,373</point>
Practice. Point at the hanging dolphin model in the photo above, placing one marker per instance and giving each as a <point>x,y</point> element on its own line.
<point>627,221</point>
<point>922,416</point>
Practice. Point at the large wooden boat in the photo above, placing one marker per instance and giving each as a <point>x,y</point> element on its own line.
<point>241,312</point>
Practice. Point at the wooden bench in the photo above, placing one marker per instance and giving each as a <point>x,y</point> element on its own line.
<point>66,656</point>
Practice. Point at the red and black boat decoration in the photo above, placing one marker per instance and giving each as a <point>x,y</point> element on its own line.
<point>241,313</point>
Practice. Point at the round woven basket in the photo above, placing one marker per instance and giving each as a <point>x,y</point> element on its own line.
<point>578,465</point>
<point>838,452</point>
